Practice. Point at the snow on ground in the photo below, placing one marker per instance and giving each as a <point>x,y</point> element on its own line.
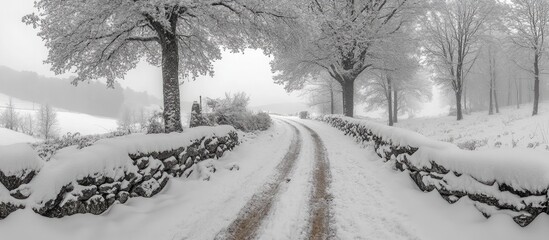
<point>186,209</point>
<point>373,201</point>
<point>289,216</point>
<point>370,201</point>
<point>363,207</point>
<point>509,129</point>
<point>8,137</point>
<point>67,121</point>
<point>18,157</point>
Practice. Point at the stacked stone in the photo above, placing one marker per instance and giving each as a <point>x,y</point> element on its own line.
<point>527,205</point>
<point>14,190</point>
<point>96,193</point>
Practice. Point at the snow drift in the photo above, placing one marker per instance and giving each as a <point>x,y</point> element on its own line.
<point>91,179</point>
<point>513,182</point>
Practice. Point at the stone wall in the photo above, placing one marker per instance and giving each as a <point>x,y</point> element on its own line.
<point>489,197</point>
<point>16,171</point>
<point>145,175</point>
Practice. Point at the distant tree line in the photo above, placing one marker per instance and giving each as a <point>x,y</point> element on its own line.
<point>93,98</point>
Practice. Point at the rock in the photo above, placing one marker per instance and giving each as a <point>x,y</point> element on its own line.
<point>12,182</point>
<point>123,196</point>
<point>109,180</point>
<point>111,198</point>
<point>170,162</point>
<point>85,193</point>
<point>70,207</point>
<point>97,180</point>
<point>125,185</point>
<point>22,192</point>
<point>524,220</point>
<point>418,179</point>
<point>109,188</point>
<point>148,188</point>
<point>96,205</point>
<point>136,179</point>
<point>142,163</point>
<point>6,208</point>
<point>158,175</point>
<point>147,177</point>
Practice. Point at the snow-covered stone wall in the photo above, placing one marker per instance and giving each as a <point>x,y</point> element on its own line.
<point>91,179</point>
<point>513,182</point>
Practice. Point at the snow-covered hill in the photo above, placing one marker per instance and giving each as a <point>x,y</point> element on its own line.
<point>67,121</point>
<point>8,137</point>
<point>511,128</point>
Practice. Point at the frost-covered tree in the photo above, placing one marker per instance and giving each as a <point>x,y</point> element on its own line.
<point>10,118</point>
<point>394,83</point>
<point>452,30</point>
<point>107,38</point>
<point>342,38</point>
<point>399,91</point>
<point>28,124</point>
<point>528,21</point>
<point>47,121</point>
<point>127,120</point>
<point>324,93</point>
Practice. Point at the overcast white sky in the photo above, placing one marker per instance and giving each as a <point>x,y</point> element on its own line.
<point>22,49</point>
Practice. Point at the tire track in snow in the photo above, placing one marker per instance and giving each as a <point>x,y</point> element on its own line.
<point>363,207</point>
<point>250,217</point>
<point>320,212</point>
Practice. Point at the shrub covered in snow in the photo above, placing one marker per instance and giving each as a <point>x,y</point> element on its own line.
<point>232,110</point>
<point>19,164</point>
<point>48,148</point>
<point>513,182</point>
<point>91,178</point>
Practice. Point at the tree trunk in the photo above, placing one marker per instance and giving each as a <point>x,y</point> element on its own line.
<point>170,77</point>
<point>389,100</point>
<point>536,84</point>
<point>518,89</point>
<point>395,105</point>
<point>496,96</point>
<point>348,98</point>
<point>465,99</point>
<point>491,91</point>
<point>459,114</point>
<point>332,99</point>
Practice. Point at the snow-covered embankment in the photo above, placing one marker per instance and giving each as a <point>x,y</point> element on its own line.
<point>513,182</point>
<point>91,179</point>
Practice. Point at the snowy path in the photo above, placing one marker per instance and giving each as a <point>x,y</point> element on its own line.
<point>249,219</point>
<point>362,207</point>
<point>294,203</point>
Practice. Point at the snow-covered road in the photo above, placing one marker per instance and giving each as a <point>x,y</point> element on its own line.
<point>300,179</point>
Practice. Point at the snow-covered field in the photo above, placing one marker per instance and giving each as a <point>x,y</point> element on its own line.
<point>67,121</point>
<point>511,128</point>
<point>8,137</point>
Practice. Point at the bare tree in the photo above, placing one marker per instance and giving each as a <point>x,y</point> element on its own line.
<point>47,121</point>
<point>126,120</point>
<point>105,38</point>
<point>324,92</point>
<point>28,124</point>
<point>343,39</point>
<point>528,24</point>
<point>452,30</point>
<point>10,117</point>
